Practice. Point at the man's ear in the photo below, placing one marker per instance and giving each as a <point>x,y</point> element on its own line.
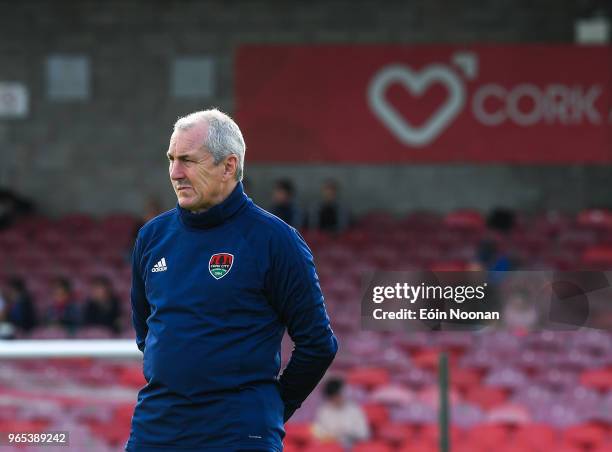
<point>230,167</point>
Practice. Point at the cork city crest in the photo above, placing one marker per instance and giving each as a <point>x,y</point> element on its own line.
<point>220,264</point>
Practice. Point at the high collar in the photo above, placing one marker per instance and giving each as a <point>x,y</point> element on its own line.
<point>217,214</point>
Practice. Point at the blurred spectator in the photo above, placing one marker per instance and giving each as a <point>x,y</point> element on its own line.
<point>520,314</point>
<point>152,209</point>
<point>7,331</point>
<point>494,259</point>
<point>338,418</point>
<point>284,204</point>
<point>502,220</point>
<point>102,306</point>
<point>20,310</point>
<point>12,206</point>
<point>64,309</point>
<point>329,215</point>
<point>492,256</point>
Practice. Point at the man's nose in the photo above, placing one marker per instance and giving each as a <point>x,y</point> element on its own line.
<point>176,171</point>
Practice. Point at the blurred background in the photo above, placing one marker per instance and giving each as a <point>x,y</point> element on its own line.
<point>395,135</point>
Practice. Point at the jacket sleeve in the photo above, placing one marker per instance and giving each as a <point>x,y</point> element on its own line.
<point>296,296</point>
<point>140,306</point>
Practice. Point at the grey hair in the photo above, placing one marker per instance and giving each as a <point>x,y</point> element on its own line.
<point>223,138</point>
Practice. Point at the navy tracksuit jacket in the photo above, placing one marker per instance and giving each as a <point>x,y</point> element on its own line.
<point>212,294</point>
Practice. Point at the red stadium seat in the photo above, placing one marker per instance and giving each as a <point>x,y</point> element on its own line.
<point>603,448</point>
<point>298,433</point>
<point>487,436</point>
<point>76,223</point>
<point>537,433</point>
<point>600,379</point>
<point>539,437</point>
<point>378,220</point>
<point>486,397</point>
<point>595,218</point>
<point>426,358</point>
<point>368,377</point>
<point>378,415</point>
<point>568,448</point>
<point>465,219</point>
<point>421,221</point>
<point>323,446</point>
<point>32,224</point>
<point>124,412</point>
<point>354,238</point>
<point>288,446</point>
<point>598,256</point>
<point>131,376</point>
<point>16,425</point>
<point>431,434</point>
<point>585,436</point>
<point>449,266</point>
<point>381,257</point>
<point>372,446</point>
<point>315,238</point>
<point>114,433</point>
<point>419,446</point>
<point>463,379</point>
<point>511,414</point>
<point>394,433</point>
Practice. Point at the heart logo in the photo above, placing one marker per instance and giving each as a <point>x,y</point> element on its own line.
<point>417,83</point>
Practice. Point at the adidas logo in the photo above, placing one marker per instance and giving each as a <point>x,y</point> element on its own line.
<point>160,266</point>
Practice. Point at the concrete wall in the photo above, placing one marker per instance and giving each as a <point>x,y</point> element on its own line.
<point>107,153</point>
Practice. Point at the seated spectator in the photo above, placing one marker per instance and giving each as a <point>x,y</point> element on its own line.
<point>493,258</point>
<point>12,206</point>
<point>7,331</point>
<point>329,215</point>
<point>20,310</point>
<point>152,209</point>
<point>102,306</point>
<point>520,313</point>
<point>501,220</point>
<point>338,418</point>
<point>284,204</point>
<point>64,309</point>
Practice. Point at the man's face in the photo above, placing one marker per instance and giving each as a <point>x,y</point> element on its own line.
<point>337,400</point>
<point>329,193</point>
<point>280,196</point>
<point>99,292</point>
<point>60,294</point>
<point>196,180</point>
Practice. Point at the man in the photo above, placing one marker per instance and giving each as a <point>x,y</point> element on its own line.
<point>329,215</point>
<point>284,203</point>
<point>102,307</point>
<point>340,419</point>
<point>21,311</point>
<point>215,283</point>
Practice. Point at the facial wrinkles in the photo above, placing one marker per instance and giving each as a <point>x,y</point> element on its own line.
<point>200,174</point>
<point>187,143</point>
